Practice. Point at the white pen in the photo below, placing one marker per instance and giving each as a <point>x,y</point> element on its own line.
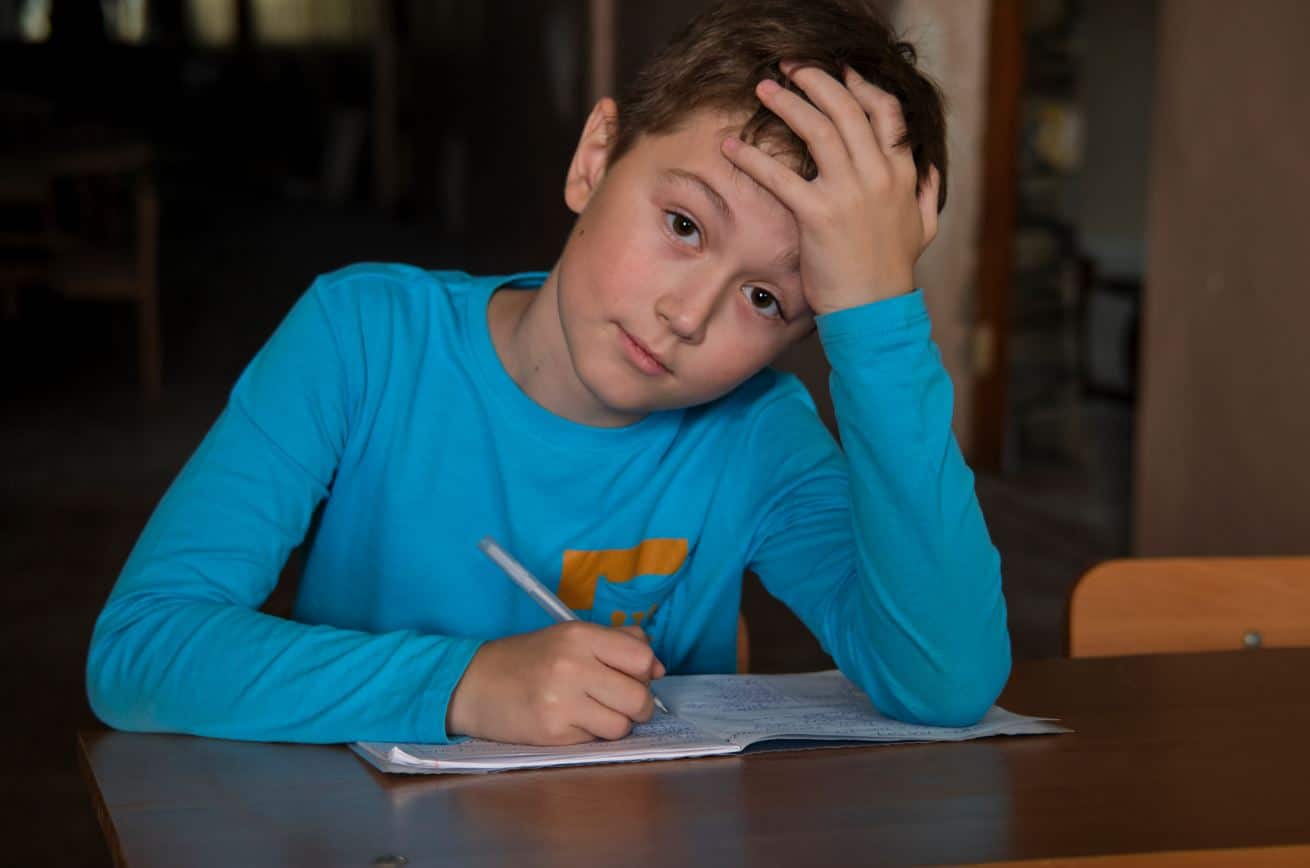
<point>536,590</point>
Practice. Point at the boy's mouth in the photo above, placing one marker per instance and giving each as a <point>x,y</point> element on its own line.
<point>644,360</point>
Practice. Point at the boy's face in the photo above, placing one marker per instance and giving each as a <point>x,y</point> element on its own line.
<point>680,279</point>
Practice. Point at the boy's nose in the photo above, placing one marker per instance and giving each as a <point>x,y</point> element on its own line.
<point>686,312</point>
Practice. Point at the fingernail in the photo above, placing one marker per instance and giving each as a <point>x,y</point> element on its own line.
<point>731,144</point>
<point>768,87</point>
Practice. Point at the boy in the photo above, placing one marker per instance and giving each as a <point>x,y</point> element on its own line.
<point>613,423</point>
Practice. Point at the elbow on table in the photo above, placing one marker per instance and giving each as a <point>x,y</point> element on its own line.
<point>956,699</point>
<point>104,698</point>
<point>108,711</point>
<point>114,696</point>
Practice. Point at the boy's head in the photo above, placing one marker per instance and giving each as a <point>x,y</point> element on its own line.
<point>682,276</point>
<point>718,58</point>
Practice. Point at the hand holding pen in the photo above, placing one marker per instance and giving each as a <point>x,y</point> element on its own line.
<point>520,576</point>
<point>568,683</point>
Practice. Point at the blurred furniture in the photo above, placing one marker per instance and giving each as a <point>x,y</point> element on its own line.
<point>24,237</point>
<point>88,228</point>
<point>24,198</point>
<point>1048,278</point>
<point>1171,752</point>
<point>1162,605</point>
<point>108,249</point>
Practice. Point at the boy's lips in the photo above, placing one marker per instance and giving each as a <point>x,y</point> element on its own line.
<point>637,352</point>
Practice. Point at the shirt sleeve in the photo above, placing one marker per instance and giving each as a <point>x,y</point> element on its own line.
<point>181,646</point>
<point>881,547</point>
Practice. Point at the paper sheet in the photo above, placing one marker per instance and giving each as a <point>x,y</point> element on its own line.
<point>745,709</point>
<point>711,715</point>
<point>663,736</point>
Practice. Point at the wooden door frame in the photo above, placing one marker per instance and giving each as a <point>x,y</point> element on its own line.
<point>996,235</point>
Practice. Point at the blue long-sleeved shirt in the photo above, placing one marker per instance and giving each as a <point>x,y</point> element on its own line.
<point>380,406</point>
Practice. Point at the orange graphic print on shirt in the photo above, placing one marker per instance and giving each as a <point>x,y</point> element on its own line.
<point>584,569</point>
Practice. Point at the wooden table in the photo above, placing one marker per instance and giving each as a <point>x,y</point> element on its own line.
<point>1172,753</point>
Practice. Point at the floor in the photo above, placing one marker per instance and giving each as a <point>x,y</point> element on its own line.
<point>83,461</point>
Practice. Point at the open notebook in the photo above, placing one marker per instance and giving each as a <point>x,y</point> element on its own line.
<point>711,715</point>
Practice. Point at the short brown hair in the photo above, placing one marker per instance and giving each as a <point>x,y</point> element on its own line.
<point>717,59</point>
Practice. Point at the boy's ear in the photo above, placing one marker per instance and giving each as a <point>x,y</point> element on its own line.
<point>591,158</point>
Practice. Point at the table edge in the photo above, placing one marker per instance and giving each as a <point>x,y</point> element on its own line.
<point>98,800</point>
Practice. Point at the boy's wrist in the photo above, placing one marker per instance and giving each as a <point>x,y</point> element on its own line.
<point>836,302</point>
<point>461,716</point>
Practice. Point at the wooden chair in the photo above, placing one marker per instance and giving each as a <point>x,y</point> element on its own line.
<point>1167,605</point>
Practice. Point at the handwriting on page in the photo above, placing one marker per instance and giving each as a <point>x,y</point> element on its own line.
<point>740,694</point>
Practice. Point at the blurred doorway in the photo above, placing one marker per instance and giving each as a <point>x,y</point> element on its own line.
<point>1063,251</point>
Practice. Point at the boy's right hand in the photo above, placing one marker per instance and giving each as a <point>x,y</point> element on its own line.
<point>565,684</point>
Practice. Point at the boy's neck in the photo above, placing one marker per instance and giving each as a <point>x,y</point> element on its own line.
<point>525,331</point>
<point>511,330</point>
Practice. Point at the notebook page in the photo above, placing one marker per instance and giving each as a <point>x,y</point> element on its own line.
<point>744,709</point>
<point>663,737</point>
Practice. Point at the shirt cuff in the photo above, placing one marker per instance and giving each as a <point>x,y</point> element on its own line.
<point>875,327</point>
<point>436,698</point>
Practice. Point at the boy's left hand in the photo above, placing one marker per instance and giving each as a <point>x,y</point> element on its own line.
<point>863,221</point>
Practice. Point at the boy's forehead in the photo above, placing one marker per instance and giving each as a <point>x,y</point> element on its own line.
<point>693,148</point>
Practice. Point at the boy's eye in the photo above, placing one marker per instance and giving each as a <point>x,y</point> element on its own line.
<point>681,225</point>
<point>763,301</point>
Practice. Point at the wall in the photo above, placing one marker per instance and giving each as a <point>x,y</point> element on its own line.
<point>951,37</point>
<point>1118,73</point>
<point>1224,426</point>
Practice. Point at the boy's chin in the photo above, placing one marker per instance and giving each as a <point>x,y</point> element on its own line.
<point>634,405</point>
<point>629,404</point>
<point>624,396</point>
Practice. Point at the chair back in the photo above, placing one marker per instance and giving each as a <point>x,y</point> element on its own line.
<point>1164,605</point>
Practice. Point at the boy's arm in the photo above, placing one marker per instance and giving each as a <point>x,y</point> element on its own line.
<point>884,554</point>
<point>180,645</point>
<point>910,604</point>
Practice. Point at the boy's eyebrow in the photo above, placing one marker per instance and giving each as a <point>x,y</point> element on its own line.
<point>683,176</point>
<point>788,260</point>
